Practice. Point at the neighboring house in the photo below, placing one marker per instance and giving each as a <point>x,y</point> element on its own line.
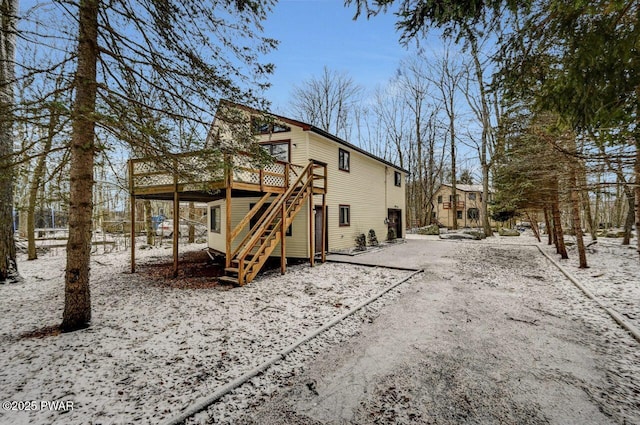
<point>467,206</point>
<point>327,190</point>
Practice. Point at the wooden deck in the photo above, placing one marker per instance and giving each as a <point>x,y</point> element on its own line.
<point>204,177</point>
<point>200,176</point>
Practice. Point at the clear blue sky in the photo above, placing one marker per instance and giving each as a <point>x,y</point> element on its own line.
<point>315,33</point>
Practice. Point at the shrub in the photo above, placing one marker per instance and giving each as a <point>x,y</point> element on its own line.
<point>373,239</point>
<point>361,242</point>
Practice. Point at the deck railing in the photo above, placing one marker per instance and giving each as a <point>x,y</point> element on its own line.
<point>202,170</point>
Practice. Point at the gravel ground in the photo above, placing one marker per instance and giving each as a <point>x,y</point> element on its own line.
<point>490,334</point>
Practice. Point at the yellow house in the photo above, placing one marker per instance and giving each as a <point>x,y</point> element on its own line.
<point>467,207</point>
<point>317,196</point>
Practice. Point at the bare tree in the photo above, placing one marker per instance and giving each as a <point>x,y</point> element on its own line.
<point>480,105</point>
<point>415,87</point>
<point>327,102</point>
<point>447,75</point>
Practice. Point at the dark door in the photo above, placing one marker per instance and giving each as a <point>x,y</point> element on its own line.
<point>319,217</point>
<point>394,218</point>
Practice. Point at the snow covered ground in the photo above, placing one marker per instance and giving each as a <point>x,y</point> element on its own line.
<point>154,348</point>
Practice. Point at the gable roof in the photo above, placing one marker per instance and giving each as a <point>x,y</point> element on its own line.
<point>318,131</point>
<point>467,187</point>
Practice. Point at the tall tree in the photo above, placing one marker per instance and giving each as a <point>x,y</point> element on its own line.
<point>327,102</point>
<point>447,76</point>
<point>8,18</point>
<point>190,53</point>
<point>580,60</point>
<point>459,20</point>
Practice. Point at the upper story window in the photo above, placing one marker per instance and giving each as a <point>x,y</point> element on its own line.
<point>397,178</point>
<point>265,127</point>
<point>439,199</point>
<point>472,196</point>
<point>344,162</point>
<point>279,150</point>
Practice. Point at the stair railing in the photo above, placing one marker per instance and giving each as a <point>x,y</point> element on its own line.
<point>270,215</point>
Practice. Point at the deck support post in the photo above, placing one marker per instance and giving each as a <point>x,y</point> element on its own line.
<point>176,217</point>
<point>312,227</point>
<point>176,231</point>
<point>133,233</point>
<point>132,199</point>
<point>283,235</point>
<point>324,228</point>
<point>228,184</point>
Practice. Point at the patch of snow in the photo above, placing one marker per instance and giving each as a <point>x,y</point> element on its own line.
<point>153,349</point>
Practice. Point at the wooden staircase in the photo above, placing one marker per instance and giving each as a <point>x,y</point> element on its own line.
<point>248,258</point>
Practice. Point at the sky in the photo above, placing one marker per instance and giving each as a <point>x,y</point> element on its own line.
<point>318,33</point>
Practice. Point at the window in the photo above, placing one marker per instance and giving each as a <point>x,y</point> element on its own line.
<point>345,215</point>
<point>260,213</point>
<point>278,150</point>
<point>459,215</point>
<point>473,214</point>
<point>439,199</point>
<point>343,160</point>
<point>397,178</point>
<point>472,196</point>
<point>451,198</point>
<point>215,217</point>
<point>261,126</point>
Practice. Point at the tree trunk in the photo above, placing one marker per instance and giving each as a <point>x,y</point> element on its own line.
<point>8,264</point>
<point>577,224</point>
<point>36,183</point>
<point>557,223</point>
<point>192,217</point>
<point>548,225</point>
<point>637,192</point>
<point>586,203</point>
<point>534,225</point>
<point>628,224</point>
<point>454,194</point>
<point>148,222</point>
<point>77,306</point>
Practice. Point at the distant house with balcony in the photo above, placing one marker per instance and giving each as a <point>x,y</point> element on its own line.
<point>466,207</point>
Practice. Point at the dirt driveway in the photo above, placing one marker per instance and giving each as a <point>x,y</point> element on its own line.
<point>489,334</point>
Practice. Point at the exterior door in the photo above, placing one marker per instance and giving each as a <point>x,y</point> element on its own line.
<point>319,217</point>
<point>394,218</point>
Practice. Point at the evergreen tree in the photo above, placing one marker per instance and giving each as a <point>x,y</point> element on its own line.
<point>165,61</point>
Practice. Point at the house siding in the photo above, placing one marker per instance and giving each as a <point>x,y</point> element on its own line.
<point>368,188</point>
<point>296,244</point>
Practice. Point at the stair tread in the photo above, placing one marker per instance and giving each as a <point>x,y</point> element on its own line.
<point>229,279</point>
